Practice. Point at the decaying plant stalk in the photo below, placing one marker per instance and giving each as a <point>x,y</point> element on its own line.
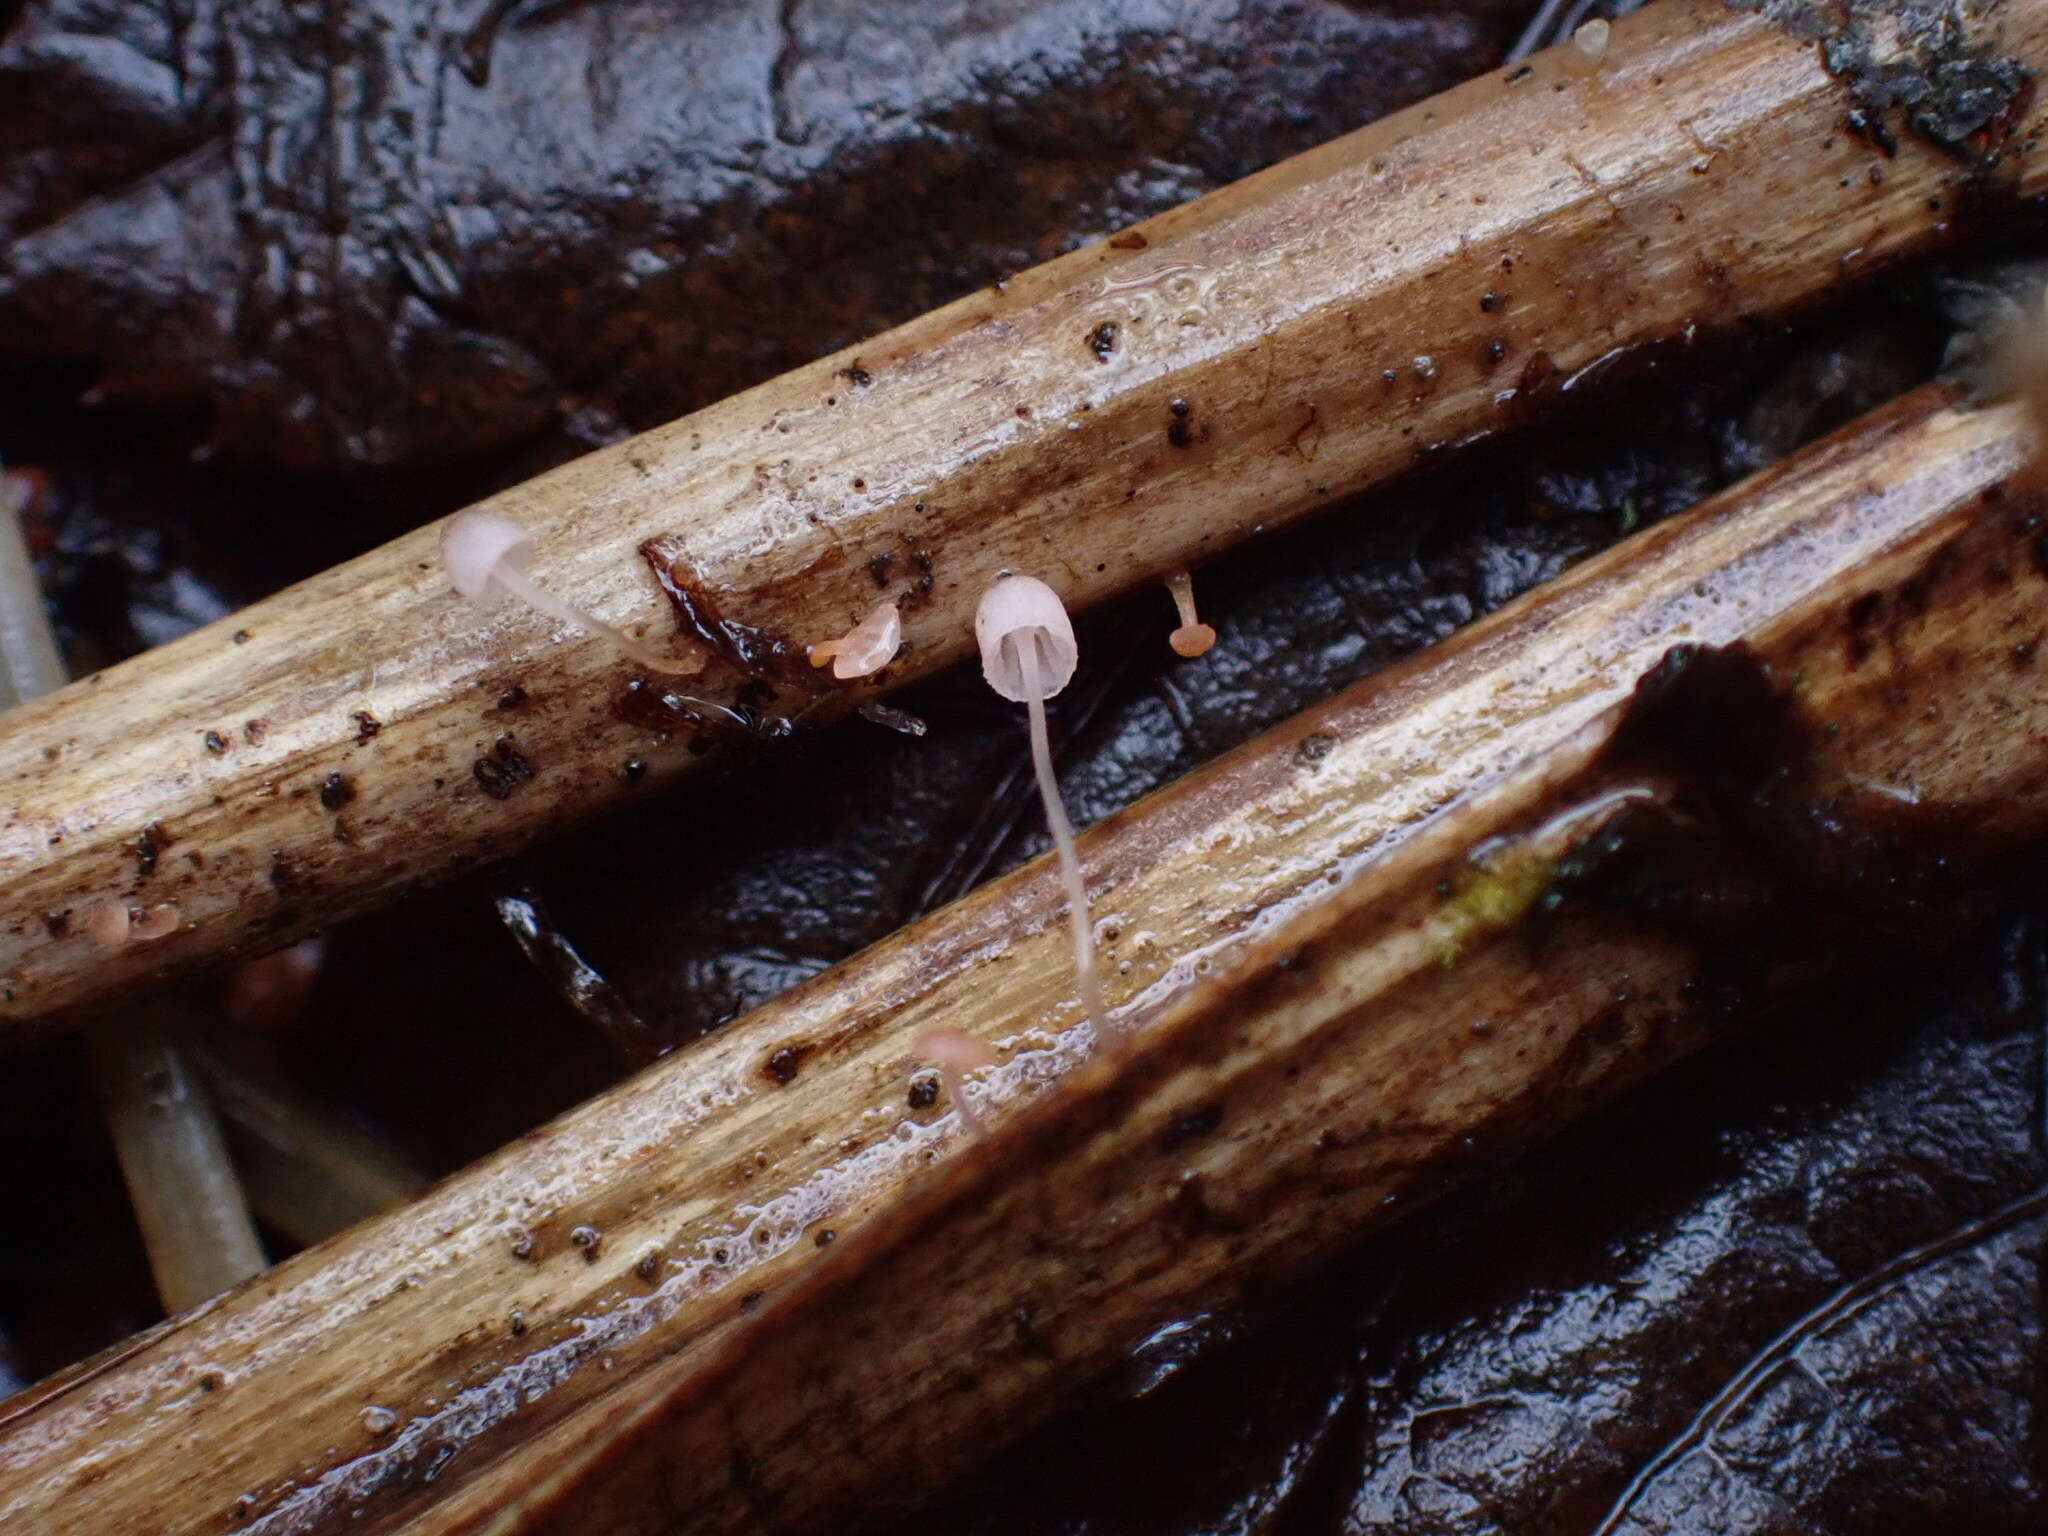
<point>1850,779</point>
<point>442,1361</point>
<point>1131,408</point>
<point>188,1203</point>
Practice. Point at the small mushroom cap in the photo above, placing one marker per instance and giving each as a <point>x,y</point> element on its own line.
<point>945,1046</point>
<point>866,648</point>
<point>107,923</point>
<point>1024,607</point>
<point>1588,46</point>
<point>476,545</point>
<point>156,922</point>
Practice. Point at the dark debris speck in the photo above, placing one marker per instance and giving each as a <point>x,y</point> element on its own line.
<point>502,772</point>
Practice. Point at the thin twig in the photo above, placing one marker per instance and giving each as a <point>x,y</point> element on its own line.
<point>189,1204</point>
<point>195,1221</point>
<point>579,983</point>
<point>309,1172</point>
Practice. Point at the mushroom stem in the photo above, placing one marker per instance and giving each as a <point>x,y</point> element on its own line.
<point>1193,638</point>
<point>527,590</point>
<point>29,663</point>
<point>1089,981</point>
<point>2022,369</point>
<point>954,1053</point>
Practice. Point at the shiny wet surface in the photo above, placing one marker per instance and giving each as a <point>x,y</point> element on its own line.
<point>1793,1287</point>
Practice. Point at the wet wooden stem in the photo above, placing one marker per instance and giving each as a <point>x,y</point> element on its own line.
<point>1130,409</point>
<point>310,1172</point>
<point>1870,756</point>
<point>772,1245</point>
<point>195,1222</point>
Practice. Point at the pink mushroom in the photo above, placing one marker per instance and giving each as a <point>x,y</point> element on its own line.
<point>1193,638</point>
<point>111,924</point>
<point>1588,47</point>
<point>107,923</point>
<point>486,555</point>
<point>956,1053</point>
<point>157,922</point>
<point>1028,654</point>
<point>864,649</point>
<point>272,990</point>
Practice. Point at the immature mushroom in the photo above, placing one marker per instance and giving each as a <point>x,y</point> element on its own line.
<point>1193,638</point>
<point>107,923</point>
<point>486,554</point>
<point>866,648</point>
<point>157,922</point>
<point>1028,654</point>
<point>271,991</point>
<point>1587,48</point>
<point>956,1053</point>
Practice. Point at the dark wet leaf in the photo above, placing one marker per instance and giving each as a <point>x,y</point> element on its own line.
<point>407,231</point>
<point>1794,1287</point>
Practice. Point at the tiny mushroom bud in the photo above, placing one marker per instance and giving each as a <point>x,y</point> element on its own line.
<point>486,556</point>
<point>107,923</point>
<point>956,1053</point>
<point>866,648</point>
<point>1028,654</point>
<point>156,922</point>
<point>1583,54</point>
<point>272,990</point>
<point>1193,638</point>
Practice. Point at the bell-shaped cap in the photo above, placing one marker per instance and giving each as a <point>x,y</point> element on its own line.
<point>476,546</point>
<point>1025,609</point>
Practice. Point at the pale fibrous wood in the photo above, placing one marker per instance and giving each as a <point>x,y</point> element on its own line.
<point>194,1221</point>
<point>1130,409</point>
<point>497,1330</point>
